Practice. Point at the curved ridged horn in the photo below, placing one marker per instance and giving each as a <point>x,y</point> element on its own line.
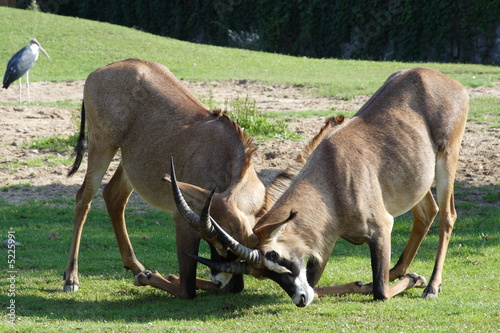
<point>251,256</point>
<point>227,267</point>
<point>200,223</point>
<point>207,226</point>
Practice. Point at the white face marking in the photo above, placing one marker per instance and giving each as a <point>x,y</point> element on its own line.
<point>304,290</point>
<point>304,293</point>
<point>221,279</point>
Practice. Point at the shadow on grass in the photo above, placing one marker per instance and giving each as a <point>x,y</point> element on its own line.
<point>143,307</point>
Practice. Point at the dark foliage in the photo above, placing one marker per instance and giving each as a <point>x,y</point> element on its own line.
<point>407,30</point>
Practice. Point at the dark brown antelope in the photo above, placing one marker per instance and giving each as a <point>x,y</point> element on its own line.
<point>363,173</point>
<point>141,109</point>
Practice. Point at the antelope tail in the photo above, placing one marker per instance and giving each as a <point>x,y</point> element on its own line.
<point>80,145</point>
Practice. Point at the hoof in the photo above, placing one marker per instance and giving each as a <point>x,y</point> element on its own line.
<point>431,292</point>
<point>427,295</point>
<point>142,279</point>
<point>420,281</point>
<point>172,278</point>
<point>70,287</point>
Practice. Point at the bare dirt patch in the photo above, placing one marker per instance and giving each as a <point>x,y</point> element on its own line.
<point>20,124</point>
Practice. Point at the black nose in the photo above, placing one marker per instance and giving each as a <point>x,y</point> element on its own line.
<point>302,302</point>
<point>217,284</point>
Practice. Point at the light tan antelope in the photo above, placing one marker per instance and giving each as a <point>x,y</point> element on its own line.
<point>363,173</point>
<point>141,109</point>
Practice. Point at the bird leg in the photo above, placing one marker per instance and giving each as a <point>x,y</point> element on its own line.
<point>28,86</point>
<point>20,91</point>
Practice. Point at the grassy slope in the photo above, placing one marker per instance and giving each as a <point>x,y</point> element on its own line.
<point>79,46</point>
<point>109,302</point>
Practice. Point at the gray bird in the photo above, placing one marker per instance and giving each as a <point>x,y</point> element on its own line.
<point>21,63</point>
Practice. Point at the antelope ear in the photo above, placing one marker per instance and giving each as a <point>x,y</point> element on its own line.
<point>194,195</point>
<point>272,231</point>
<point>276,233</point>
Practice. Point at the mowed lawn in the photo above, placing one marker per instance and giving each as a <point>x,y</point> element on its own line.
<point>109,302</point>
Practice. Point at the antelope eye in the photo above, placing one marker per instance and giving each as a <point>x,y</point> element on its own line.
<point>272,255</point>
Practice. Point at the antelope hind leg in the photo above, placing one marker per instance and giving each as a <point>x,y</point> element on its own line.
<point>116,194</point>
<point>423,216</point>
<point>445,170</point>
<point>98,162</point>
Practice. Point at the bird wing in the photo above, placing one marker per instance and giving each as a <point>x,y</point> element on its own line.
<point>18,65</point>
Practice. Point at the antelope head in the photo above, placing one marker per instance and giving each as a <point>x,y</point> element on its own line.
<point>207,228</point>
<point>286,266</point>
<point>271,259</point>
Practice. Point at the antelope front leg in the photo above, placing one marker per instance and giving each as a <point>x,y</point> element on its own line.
<point>202,284</point>
<point>156,280</point>
<point>380,249</point>
<point>406,282</point>
<point>350,288</point>
<point>170,284</point>
<point>185,285</point>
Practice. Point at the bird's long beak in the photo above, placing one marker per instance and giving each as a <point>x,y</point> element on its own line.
<point>43,51</point>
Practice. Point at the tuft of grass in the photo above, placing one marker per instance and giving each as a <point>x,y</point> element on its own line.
<point>47,160</point>
<point>492,195</point>
<point>58,143</point>
<point>15,186</point>
<point>245,113</point>
<point>41,160</point>
<point>209,101</point>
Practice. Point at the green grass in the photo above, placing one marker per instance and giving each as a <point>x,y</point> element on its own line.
<point>494,197</point>
<point>70,104</point>
<point>77,47</point>
<point>15,187</point>
<point>109,302</point>
<point>58,143</point>
<point>485,109</point>
<point>38,160</point>
<point>256,123</point>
